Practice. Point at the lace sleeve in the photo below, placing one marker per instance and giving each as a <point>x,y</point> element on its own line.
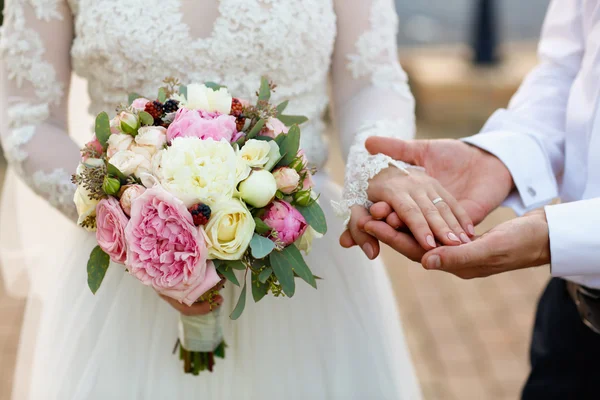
<point>35,70</point>
<point>370,90</point>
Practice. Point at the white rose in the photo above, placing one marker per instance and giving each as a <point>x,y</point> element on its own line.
<point>131,163</point>
<point>200,97</point>
<point>255,153</point>
<point>153,138</point>
<point>118,142</point>
<point>229,230</point>
<point>274,155</point>
<point>196,170</point>
<point>304,242</point>
<point>259,188</point>
<point>242,170</point>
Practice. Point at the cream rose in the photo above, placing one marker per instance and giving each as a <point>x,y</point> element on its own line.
<point>152,138</point>
<point>259,188</point>
<point>304,242</point>
<point>229,230</point>
<point>242,170</point>
<point>118,142</point>
<point>196,170</point>
<point>131,163</point>
<point>255,153</point>
<point>201,97</point>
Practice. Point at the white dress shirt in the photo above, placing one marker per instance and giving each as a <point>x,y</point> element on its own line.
<point>549,139</point>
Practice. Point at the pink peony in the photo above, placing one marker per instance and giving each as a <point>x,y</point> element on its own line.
<point>202,125</point>
<point>93,144</point>
<point>111,223</point>
<point>286,220</point>
<point>165,249</point>
<point>140,103</point>
<point>274,128</point>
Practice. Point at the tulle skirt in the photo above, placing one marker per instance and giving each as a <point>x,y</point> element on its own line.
<point>342,341</point>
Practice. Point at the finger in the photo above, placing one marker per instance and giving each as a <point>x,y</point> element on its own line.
<point>458,211</point>
<point>410,213</point>
<point>346,240</point>
<point>363,220</point>
<point>448,215</point>
<point>381,210</point>
<point>436,221</point>
<point>403,243</point>
<point>462,260</point>
<point>368,244</point>
<point>200,308</point>
<point>407,151</point>
<point>394,221</point>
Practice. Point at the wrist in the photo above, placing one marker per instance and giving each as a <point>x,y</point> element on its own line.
<point>541,255</point>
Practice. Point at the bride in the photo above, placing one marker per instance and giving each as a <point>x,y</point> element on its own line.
<point>343,341</point>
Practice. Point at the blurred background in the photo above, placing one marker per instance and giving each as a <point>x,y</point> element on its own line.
<point>468,339</point>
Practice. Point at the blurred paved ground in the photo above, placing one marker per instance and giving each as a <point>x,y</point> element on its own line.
<point>468,339</point>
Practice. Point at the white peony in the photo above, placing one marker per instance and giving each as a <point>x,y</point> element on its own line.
<point>201,97</point>
<point>131,163</point>
<point>196,170</point>
<point>229,230</point>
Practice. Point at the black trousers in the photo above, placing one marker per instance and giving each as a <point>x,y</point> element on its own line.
<point>565,353</point>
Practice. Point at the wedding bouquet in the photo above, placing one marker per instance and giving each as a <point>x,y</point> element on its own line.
<point>189,188</point>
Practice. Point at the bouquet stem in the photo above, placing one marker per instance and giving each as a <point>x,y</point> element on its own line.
<point>195,362</point>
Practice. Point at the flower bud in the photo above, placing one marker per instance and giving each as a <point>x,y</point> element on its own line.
<point>303,198</point>
<point>287,179</point>
<point>111,186</point>
<point>259,188</point>
<point>274,155</point>
<point>128,194</point>
<point>129,123</point>
<point>299,163</point>
<point>286,221</point>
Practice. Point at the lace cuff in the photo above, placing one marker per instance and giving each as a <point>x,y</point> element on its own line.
<point>363,166</point>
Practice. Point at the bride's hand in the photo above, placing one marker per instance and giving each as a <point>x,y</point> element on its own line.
<point>354,236</point>
<point>412,198</point>
<point>199,308</point>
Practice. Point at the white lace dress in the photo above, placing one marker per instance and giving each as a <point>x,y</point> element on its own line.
<point>343,341</point>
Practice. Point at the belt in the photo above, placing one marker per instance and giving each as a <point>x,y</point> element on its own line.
<point>588,304</point>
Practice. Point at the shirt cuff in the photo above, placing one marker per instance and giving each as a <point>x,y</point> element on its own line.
<point>526,162</point>
<point>574,242</point>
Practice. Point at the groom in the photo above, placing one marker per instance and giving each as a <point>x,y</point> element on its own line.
<point>545,145</point>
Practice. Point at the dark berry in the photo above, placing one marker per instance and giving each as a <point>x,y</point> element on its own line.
<point>200,213</point>
<point>239,123</point>
<point>236,107</point>
<point>170,106</point>
<point>155,109</point>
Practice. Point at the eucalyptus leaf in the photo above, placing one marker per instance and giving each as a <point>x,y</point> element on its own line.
<point>264,138</point>
<point>220,350</point>
<point>214,86</point>
<point>289,146</point>
<point>295,259</point>
<point>265,274</point>
<point>261,246</point>
<point>146,118</point>
<point>96,268</point>
<point>264,93</point>
<point>314,216</point>
<point>114,171</point>
<point>281,107</point>
<point>228,273</point>
<point>261,227</point>
<point>237,264</point>
<point>283,271</point>
<point>102,128</point>
<point>259,290</point>
<point>256,129</point>
<point>183,90</point>
<point>279,140</point>
<point>162,95</point>
<point>241,304</point>
<point>289,120</point>
<point>132,97</point>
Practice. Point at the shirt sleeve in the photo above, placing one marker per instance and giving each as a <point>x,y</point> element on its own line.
<point>370,92</point>
<point>529,136</point>
<point>35,71</point>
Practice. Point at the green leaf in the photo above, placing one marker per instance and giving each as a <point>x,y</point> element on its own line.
<point>265,274</point>
<point>261,246</point>
<point>228,273</point>
<point>114,171</point>
<point>289,146</point>
<point>220,350</point>
<point>237,264</point>
<point>279,140</point>
<point>259,289</point>
<point>281,107</point>
<point>264,94</point>
<point>241,304</point>
<point>256,129</point>
<point>261,227</point>
<point>214,86</point>
<point>264,138</point>
<point>162,95</point>
<point>132,97</point>
<point>183,90</point>
<point>295,259</point>
<point>96,268</point>
<point>289,120</point>
<point>283,271</point>
<point>146,118</point>
<point>314,216</point>
<point>102,128</point>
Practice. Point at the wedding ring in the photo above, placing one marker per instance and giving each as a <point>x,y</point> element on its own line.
<point>437,200</point>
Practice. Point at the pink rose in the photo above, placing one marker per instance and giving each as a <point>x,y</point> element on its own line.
<point>111,223</point>
<point>274,128</point>
<point>286,220</point>
<point>128,194</point>
<point>202,125</point>
<point>140,103</point>
<point>287,179</point>
<point>308,182</point>
<point>94,145</point>
<point>165,249</point>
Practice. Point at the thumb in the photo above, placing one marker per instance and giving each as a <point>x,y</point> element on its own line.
<point>455,258</point>
<point>407,151</point>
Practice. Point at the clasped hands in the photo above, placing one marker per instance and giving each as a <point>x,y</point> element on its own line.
<point>429,216</point>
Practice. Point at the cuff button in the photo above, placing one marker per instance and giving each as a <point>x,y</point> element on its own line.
<point>531,191</point>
